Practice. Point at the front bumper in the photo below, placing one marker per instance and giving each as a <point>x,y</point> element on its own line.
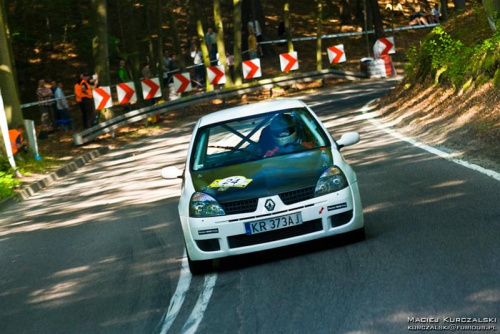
<point>328,215</point>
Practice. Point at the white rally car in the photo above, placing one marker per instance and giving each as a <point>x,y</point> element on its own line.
<point>263,176</point>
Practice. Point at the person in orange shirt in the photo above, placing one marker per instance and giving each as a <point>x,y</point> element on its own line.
<point>17,141</point>
<point>78,96</point>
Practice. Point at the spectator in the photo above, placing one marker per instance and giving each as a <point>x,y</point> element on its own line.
<point>78,96</point>
<point>123,74</point>
<point>252,44</point>
<point>146,71</point>
<point>17,142</point>
<point>230,64</point>
<point>174,65</point>
<point>436,13</point>
<point>254,24</point>
<point>211,41</point>
<point>165,62</point>
<point>63,113</point>
<point>45,95</point>
<point>417,18</point>
<point>199,69</point>
<point>88,116</point>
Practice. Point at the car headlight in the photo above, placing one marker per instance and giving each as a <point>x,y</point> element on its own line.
<point>203,205</point>
<point>332,180</point>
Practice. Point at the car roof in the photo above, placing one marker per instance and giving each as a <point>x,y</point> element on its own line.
<point>250,110</point>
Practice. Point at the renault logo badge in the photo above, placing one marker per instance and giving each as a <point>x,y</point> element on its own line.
<point>270,205</point>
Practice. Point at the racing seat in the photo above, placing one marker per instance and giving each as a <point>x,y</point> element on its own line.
<point>266,141</point>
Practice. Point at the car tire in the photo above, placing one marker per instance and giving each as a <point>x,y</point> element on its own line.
<point>199,267</point>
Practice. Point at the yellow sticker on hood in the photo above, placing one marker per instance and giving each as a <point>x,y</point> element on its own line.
<point>231,182</point>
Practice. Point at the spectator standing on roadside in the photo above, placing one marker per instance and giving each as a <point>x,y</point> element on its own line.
<point>88,116</point>
<point>211,41</point>
<point>254,24</point>
<point>230,64</point>
<point>44,95</point>
<point>78,97</point>
<point>252,44</point>
<point>146,71</point>
<point>62,106</point>
<point>123,75</point>
<point>165,62</point>
<point>199,69</point>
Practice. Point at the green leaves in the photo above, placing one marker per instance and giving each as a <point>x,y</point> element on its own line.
<point>448,60</point>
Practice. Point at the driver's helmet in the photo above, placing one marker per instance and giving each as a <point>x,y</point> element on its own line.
<point>284,129</point>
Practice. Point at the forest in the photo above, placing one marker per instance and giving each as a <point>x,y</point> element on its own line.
<point>58,39</point>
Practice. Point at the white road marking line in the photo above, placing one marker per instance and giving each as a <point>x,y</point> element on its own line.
<point>365,110</point>
<point>201,305</point>
<point>178,297</point>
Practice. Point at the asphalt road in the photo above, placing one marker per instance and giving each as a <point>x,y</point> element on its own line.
<point>101,251</point>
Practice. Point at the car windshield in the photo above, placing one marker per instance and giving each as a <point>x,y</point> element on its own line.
<point>257,137</point>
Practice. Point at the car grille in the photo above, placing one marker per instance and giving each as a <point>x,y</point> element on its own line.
<point>243,240</point>
<point>244,206</point>
<point>295,196</point>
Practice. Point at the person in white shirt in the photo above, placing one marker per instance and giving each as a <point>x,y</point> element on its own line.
<point>436,13</point>
<point>62,107</point>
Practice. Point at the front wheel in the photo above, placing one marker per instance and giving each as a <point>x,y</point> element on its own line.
<point>199,267</point>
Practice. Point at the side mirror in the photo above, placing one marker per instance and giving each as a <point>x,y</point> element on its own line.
<point>347,139</point>
<point>171,173</point>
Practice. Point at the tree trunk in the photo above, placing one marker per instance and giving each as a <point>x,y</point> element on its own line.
<point>201,38</point>
<point>220,42</point>
<point>100,41</point>
<point>377,19</point>
<point>134,50</point>
<point>444,9</point>
<point>8,83</point>
<point>159,68</point>
<point>345,12</point>
<point>100,46</point>
<point>286,19</point>
<point>237,42</point>
<point>319,28</point>
<point>175,35</point>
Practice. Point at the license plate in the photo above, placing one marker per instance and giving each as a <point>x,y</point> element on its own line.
<point>271,224</point>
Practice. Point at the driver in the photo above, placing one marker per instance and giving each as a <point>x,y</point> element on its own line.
<point>285,134</point>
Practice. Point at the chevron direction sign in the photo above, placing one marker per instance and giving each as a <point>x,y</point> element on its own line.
<point>384,46</point>
<point>336,54</point>
<point>216,75</point>
<point>150,88</point>
<point>126,92</point>
<point>289,61</point>
<point>182,82</point>
<point>102,97</point>
<point>251,69</point>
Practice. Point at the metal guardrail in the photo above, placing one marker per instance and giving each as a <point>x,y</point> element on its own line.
<point>348,34</point>
<point>137,115</point>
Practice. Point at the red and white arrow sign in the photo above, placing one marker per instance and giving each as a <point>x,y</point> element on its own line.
<point>336,54</point>
<point>102,97</point>
<point>126,92</point>
<point>251,69</point>
<point>182,82</point>
<point>288,61</point>
<point>384,46</point>
<point>216,75</point>
<point>150,88</point>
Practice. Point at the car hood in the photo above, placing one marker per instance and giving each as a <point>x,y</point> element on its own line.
<point>265,177</point>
